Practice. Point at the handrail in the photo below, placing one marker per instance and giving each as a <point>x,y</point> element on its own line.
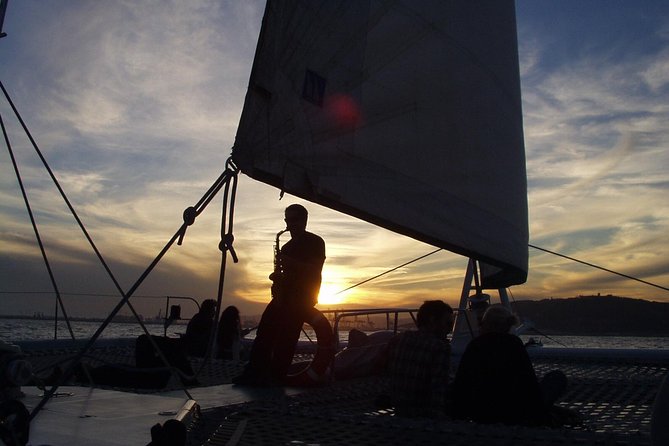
<point>340,314</point>
<point>167,321</point>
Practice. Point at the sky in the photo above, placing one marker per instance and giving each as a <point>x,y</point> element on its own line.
<point>135,105</point>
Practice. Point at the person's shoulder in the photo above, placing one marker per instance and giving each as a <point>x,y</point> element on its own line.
<point>313,237</point>
<point>315,241</point>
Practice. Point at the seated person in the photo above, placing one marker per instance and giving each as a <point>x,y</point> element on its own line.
<point>230,334</point>
<point>199,329</point>
<point>496,382</point>
<point>150,372</point>
<point>419,361</point>
<point>171,433</point>
<point>364,354</point>
<point>171,348</point>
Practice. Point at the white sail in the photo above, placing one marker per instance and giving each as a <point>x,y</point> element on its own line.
<point>405,114</point>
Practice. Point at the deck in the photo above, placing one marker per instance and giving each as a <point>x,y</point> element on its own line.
<point>614,398</point>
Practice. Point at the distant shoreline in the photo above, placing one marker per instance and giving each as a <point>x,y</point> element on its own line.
<point>117,319</point>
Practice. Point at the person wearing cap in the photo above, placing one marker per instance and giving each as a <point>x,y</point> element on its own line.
<point>496,382</point>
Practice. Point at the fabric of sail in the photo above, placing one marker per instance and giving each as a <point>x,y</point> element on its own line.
<point>405,114</point>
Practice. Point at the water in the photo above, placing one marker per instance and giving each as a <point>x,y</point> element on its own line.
<point>633,342</point>
<point>13,330</point>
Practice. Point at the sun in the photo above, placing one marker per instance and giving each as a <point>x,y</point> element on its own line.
<point>329,296</point>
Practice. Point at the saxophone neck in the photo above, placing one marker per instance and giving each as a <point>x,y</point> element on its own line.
<point>278,234</point>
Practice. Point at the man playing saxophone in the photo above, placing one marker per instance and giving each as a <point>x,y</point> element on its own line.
<point>296,283</point>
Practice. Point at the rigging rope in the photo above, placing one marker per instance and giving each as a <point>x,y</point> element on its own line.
<point>62,192</point>
<point>189,218</point>
<point>599,267</point>
<point>125,296</point>
<point>513,298</point>
<point>225,246</point>
<point>390,270</point>
<point>531,246</point>
<point>179,234</point>
<point>67,202</point>
<point>59,300</point>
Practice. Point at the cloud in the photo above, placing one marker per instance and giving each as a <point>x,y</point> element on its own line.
<point>137,104</point>
<point>656,74</point>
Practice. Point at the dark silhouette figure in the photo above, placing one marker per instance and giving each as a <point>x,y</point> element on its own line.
<point>150,372</point>
<point>172,348</point>
<point>296,283</point>
<point>199,329</point>
<point>230,333</point>
<point>419,362</point>
<point>496,382</point>
<point>171,433</point>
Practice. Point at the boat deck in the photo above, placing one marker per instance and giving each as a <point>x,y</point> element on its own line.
<point>614,399</point>
<point>615,402</point>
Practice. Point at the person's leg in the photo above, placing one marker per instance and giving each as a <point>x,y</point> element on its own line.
<point>263,345</point>
<point>284,345</point>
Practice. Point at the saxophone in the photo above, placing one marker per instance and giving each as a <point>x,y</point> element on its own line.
<point>275,277</point>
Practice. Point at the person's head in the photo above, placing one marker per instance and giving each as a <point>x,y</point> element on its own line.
<point>435,316</point>
<point>208,307</point>
<point>498,319</point>
<point>478,303</point>
<point>296,218</point>
<point>230,315</point>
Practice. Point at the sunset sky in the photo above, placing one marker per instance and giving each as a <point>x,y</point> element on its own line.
<point>135,105</point>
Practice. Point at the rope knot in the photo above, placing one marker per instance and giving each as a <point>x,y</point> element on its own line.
<point>226,245</point>
<point>189,218</point>
<point>189,215</point>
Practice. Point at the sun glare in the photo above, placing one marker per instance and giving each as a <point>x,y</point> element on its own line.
<point>329,296</point>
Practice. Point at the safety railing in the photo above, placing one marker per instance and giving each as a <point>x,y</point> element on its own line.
<point>392,318</point>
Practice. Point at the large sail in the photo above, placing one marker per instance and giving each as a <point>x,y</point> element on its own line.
<point>406,114</point>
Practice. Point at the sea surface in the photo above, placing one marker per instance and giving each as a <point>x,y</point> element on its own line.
<point>13,330</point>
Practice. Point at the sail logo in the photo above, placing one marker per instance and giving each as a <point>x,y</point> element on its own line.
<point>313,89</point>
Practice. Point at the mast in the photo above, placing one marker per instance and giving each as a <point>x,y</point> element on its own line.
<point>3,10</point>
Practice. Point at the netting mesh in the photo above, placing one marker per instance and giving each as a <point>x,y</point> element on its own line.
<point>614,399</point>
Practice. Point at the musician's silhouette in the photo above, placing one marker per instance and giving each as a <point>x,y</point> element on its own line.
<point>296,282</point>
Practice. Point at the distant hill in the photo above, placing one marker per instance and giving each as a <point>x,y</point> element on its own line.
<point>596,315</point>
